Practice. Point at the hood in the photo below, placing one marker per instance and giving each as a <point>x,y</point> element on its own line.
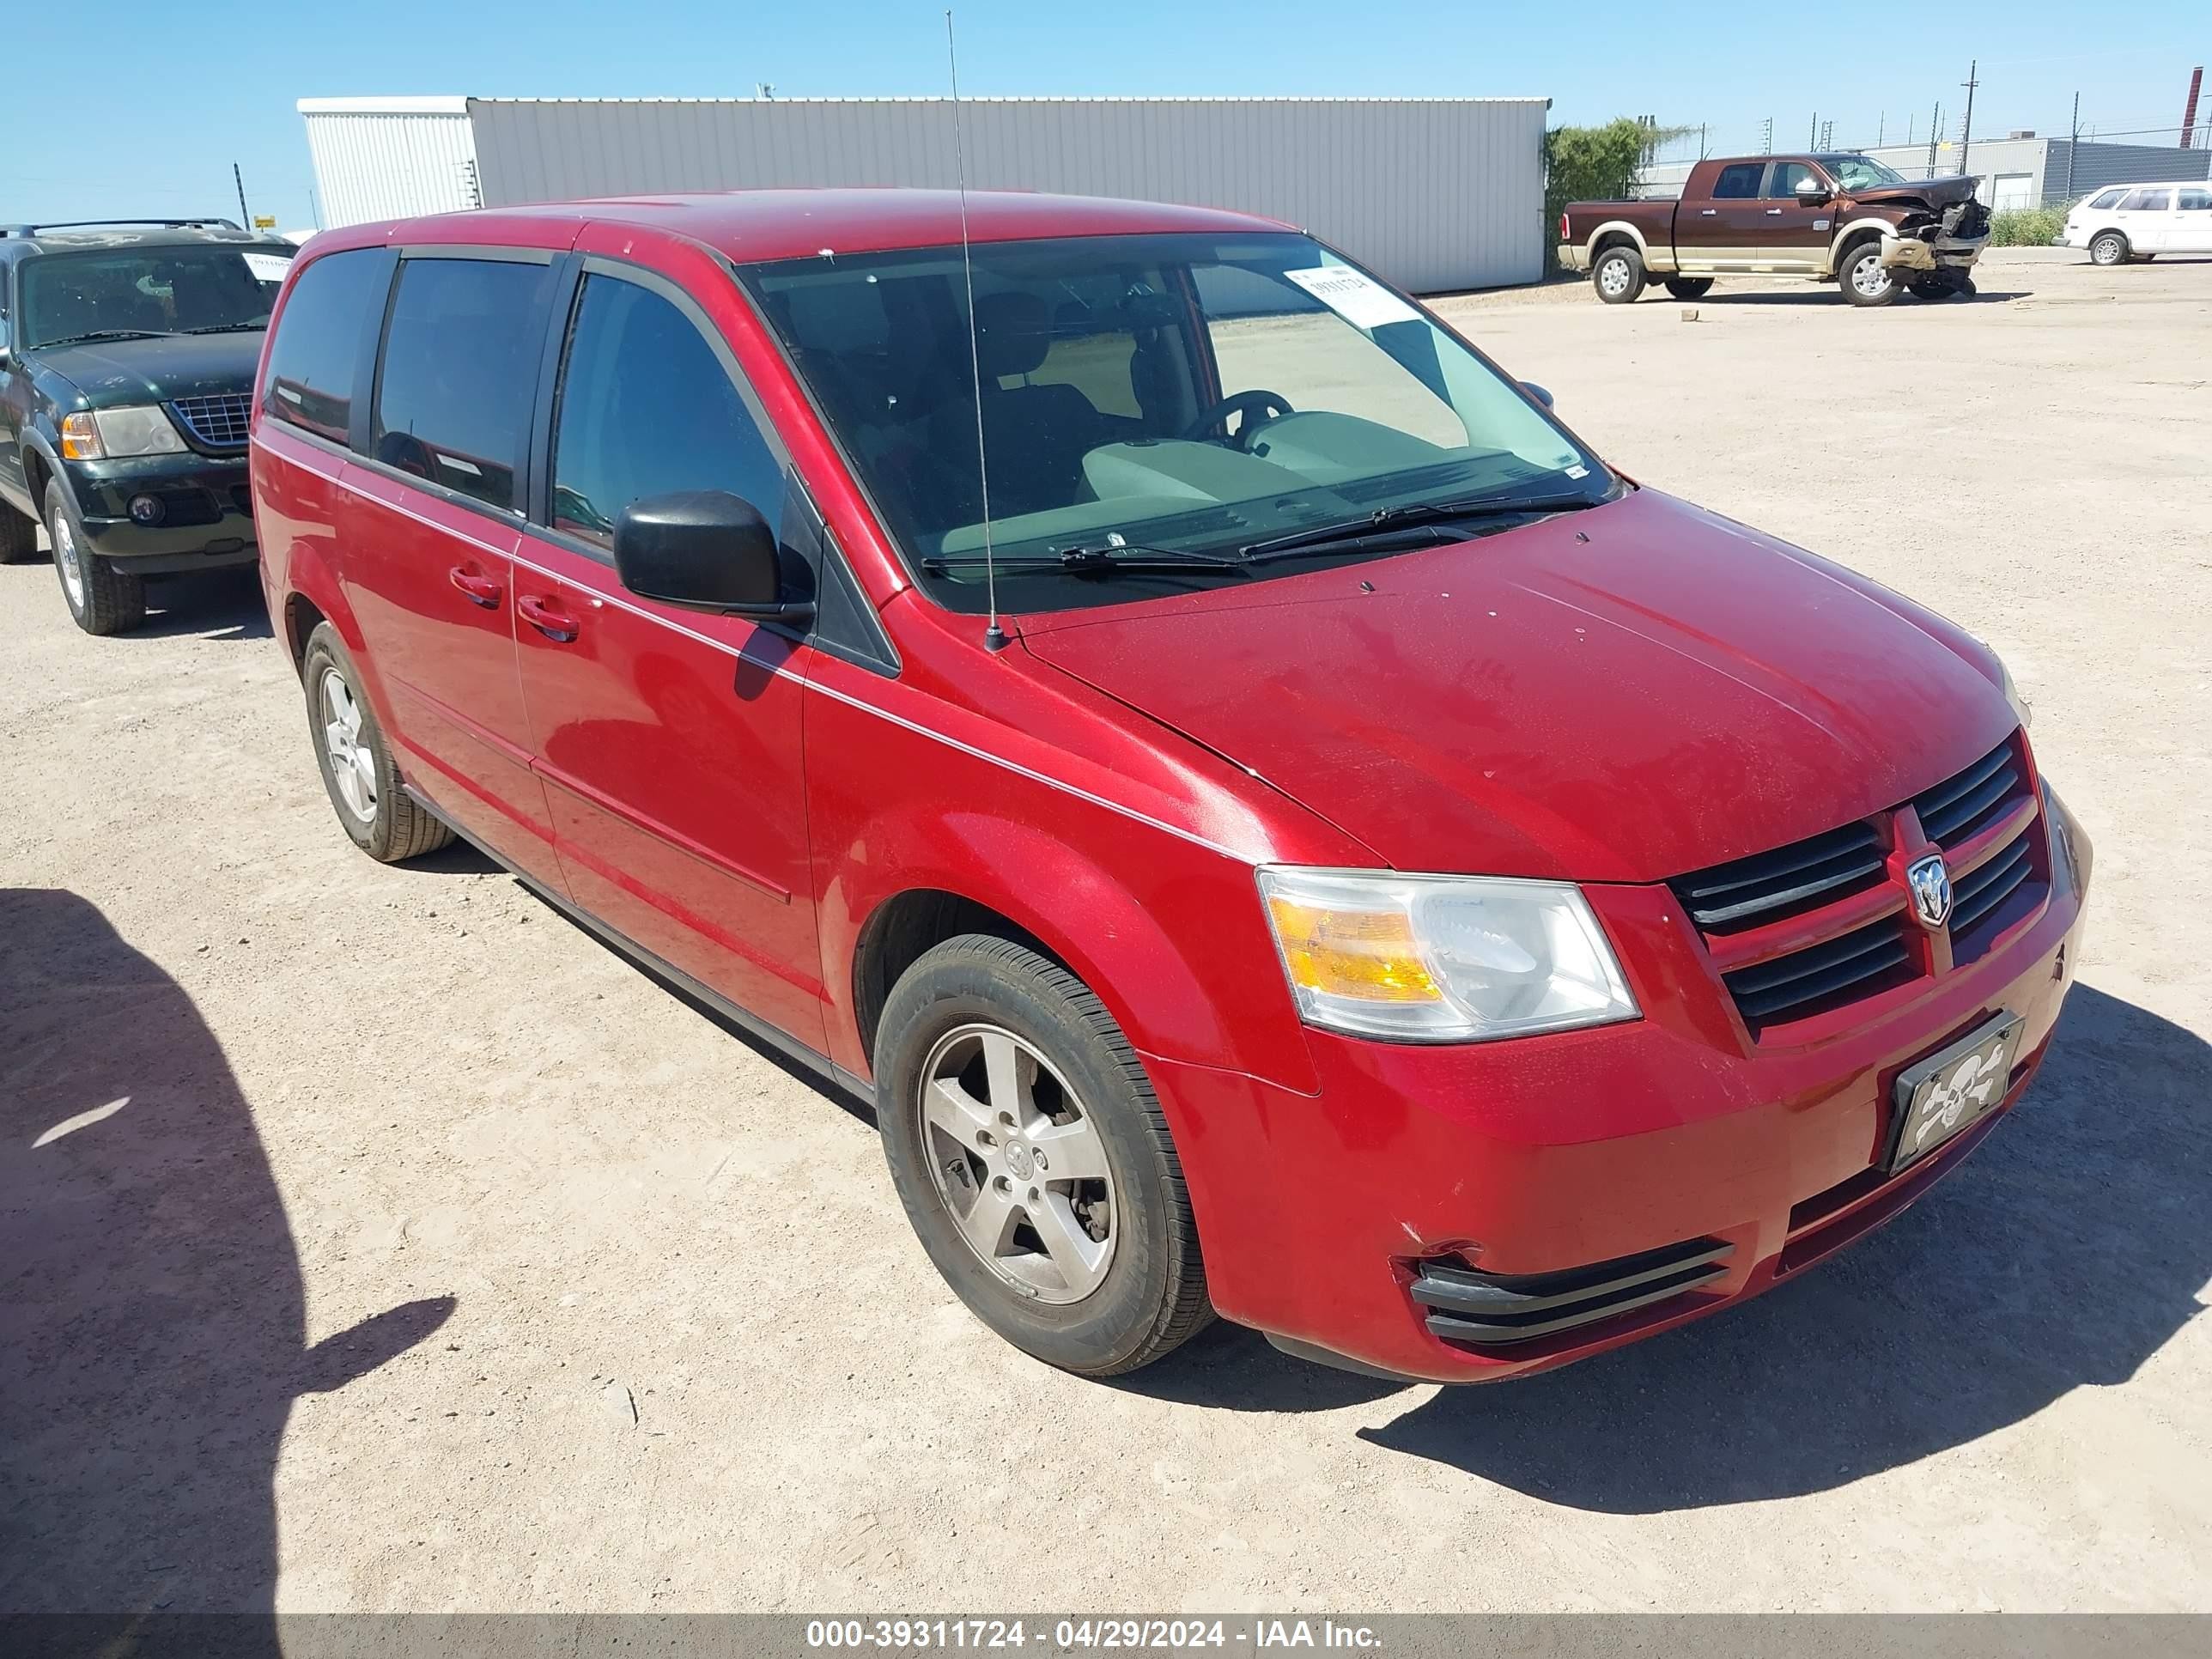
<point>1935,193</point>
<point>113,371</point>
<point>1673,692</point>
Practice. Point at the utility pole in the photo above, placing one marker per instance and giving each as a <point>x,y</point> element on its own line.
<point>244,218</point>
<point>1704,150</point>
<point>1828,135</point>
<point>1813,136</point>
<point>1880,128</point>
<point>2073,142</point>
<point>1909,120</point>
<point>1935,131</point>
<point>1766,137</point>
<point>1967,126</point>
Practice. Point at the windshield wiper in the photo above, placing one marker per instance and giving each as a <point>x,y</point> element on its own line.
<point>106,334</point>
<point>1420,515</point>
<point>224,328</point>
<point>1091,559</point>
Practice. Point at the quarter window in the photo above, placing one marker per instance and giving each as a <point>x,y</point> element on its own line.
<point>460,360</point>
<point>2106,199</point>
<point>647,409</point>
<point>1739,181</point>
<point>317,352</point>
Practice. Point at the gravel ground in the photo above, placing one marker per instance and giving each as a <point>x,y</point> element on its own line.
<point>430,1256</point>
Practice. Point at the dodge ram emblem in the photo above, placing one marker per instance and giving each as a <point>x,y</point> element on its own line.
<point>1931,890</point>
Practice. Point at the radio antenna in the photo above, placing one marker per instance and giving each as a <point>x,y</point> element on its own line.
<point>995,637</point>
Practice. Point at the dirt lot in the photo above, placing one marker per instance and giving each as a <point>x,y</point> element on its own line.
<point>435,1258</point>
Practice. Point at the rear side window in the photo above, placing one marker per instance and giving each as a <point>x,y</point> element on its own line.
<point>313,359</point>
<point>2195,199</point>
<point>459,371</point>
<point>1738,182</point>
<point>647,409</point>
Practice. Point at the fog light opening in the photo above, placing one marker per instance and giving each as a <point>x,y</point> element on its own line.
<point>147,509</point>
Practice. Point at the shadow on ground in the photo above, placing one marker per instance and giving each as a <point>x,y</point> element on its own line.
<point>1824,294</point>
<point>2063,1253</point>
<point>152,1333</point>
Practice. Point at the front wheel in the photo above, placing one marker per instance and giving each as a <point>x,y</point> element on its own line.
<point>1618,276</point>
<point>1866,280</point>
<point>2108,247</point>
<point>101,598</point>
<point>1689,287</point>
<point>1034,1161</point>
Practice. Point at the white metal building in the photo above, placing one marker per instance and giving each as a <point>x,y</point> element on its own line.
<point>1435,193</point>
<point>2022,170</point>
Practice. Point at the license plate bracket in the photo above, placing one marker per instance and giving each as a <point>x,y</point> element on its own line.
<point>1937,1097</point>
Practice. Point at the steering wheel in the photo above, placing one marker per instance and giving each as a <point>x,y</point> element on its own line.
<point>1255,406</point>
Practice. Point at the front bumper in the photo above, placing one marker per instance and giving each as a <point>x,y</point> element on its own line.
<point>1941,253</point>
<point>206,519</point>
<point>1595,1151</point>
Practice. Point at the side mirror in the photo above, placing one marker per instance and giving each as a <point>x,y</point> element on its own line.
<point>1811,191</point>
<point>1537,392</point>
<point>704,549</point>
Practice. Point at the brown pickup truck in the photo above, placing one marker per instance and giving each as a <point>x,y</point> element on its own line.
<point>1843,219</point>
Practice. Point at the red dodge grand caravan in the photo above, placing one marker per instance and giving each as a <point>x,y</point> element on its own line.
<point>1280,826</point>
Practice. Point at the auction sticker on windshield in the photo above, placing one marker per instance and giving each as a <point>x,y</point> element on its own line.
<point>1359,299</point>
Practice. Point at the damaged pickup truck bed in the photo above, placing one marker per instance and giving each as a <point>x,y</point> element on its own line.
<point>1840,218</point>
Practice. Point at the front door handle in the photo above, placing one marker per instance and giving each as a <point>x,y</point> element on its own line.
<point>1774,213</point>
<point>479,586</point>
<point>547,618</point>
<point>1707,213</point>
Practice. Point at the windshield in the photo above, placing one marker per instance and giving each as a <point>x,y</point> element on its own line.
<point>1168,395</point>
<point>1860,172</point>
<point>193,289</point>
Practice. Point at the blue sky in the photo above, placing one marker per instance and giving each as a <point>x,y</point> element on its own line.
<point>151,103</point>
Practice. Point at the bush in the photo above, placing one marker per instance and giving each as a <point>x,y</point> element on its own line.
<point>2027,227</point>
<point>1594,164</point>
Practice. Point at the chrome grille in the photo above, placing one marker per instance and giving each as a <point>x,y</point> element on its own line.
<point>219,421</point>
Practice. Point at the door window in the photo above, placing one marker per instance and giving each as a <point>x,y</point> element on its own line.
<point>646,408</point>
<point>461,364</point>
<point>2146,201</point>
<point>317,353</point>
<point>1784,177</point>
<point>1738,182</point>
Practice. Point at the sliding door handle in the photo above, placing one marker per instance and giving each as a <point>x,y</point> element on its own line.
<point>548,618</point>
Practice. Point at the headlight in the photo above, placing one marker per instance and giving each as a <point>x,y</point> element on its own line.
<point>1441,958</point>
<point>110,433</point>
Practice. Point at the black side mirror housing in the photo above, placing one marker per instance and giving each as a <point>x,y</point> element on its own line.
<point>1537,392</point>
<point>1811,191</point>
<point>705,549</point>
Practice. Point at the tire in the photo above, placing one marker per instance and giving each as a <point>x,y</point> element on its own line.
<point>2108,247</point>
<point>1098,1307</point>
<point>1934,288</point>
<point>1689,287</point>
<point>19,536</point>
<point>363,785</point>
<point>1859,272</point>
<point>1617,274</point>
<point>101,598</point>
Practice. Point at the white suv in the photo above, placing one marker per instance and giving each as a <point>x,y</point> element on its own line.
<point>2135,221</point>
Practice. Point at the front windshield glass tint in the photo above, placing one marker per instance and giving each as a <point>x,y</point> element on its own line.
<point>202,288</point>
<point>1860,172</point>
<point>1181,393</point>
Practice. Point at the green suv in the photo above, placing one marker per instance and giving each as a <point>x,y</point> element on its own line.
<point>127,352</point>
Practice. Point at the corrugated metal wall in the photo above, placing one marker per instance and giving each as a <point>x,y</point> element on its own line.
<point>390,158</point>
<point>1435,193</point>
<point>2092,166</point>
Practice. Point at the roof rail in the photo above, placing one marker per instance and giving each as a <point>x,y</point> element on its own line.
<point>206,223</point>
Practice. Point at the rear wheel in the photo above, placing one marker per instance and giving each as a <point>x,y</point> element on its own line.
<point>1866,280</point>
<point>101,598</point>
<point>355,762</point>
<point>1034,1161</point>
<point>1618,276</point>
<point>1689,287</point>
<point>2108,247</point>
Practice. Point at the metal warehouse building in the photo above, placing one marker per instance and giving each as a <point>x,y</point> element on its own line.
<point>1435,193</point>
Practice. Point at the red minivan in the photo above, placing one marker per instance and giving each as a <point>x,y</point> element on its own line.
<point>1277,825</point>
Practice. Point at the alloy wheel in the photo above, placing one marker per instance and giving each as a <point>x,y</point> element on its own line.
<point>1018,1164</point>
<point>1612,276</point>
<point>1869,275</point>
<point>68,559</point>
<point>353,766</point>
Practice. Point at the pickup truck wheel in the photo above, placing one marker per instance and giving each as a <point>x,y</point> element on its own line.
<point>355,762</point>
<point>19,536</point>
<point>1866,280</point>
<point>2108,247</point>
<point>1034,1161</point>
<point>1689,287</point>
<point>101,598</point>
<point>1618,276</point>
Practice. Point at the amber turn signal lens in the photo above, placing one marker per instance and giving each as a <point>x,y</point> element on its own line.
<point>80,438</point>
<point>1370,954</point>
